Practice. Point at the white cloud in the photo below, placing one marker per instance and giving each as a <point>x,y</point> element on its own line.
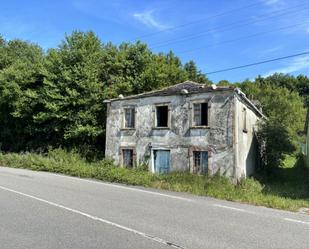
<point>271,50</point>
<point>270,2</point>
<point>274,5</point>
<point>148,19</point>
<point>296,65</point>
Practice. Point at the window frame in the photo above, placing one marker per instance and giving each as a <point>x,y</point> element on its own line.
<point>168,116</point>
<point>198,169</point>
<point>124,117</point>
<point>121,153</point>
<point>191,151</point>
<point>195,102</point>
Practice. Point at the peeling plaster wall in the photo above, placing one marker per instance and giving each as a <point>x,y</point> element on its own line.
<point>246,145</point>
<point>180,137</point>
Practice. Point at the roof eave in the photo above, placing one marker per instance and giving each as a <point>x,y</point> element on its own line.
<point>144,95</point>
<point>249,102</point>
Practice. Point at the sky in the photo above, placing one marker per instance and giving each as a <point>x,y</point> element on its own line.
<point>215,34</point>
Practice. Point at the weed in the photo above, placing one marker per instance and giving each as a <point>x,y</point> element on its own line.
<point>283,188</point>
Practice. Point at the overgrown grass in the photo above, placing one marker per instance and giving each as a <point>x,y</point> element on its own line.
<point>285,188</point>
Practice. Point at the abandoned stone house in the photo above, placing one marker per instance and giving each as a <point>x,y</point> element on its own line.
<point>185,127</point>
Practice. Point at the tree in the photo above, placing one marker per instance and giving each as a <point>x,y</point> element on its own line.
<point>298,84</point>
<point>285,112</point>
<point>224,83</point>
<point>72,95</point>
<point>194,74</point>
<point>56,98</point>
<point>303,88</point>
<point>277,141</point>
<point>21,76</point>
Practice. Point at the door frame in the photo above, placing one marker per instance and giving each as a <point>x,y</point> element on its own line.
<point>152,157</point>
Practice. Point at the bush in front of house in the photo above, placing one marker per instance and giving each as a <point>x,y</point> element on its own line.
<point>267,192</point>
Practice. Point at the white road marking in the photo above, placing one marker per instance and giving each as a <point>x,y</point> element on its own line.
<point>154,238</point>
<point>297,221</point>
<point>233,208</point>
<point>124,187</point>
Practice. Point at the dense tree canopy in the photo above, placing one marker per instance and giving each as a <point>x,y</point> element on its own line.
<point>21,77</point>
<point>279,104</point>
<point>56,98</point>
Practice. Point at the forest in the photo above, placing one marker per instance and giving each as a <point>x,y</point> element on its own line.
<point>54,98</point>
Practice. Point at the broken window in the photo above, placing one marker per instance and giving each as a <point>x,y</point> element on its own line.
<point>200,114</point>
<point>162,116</point>
<point>129,117</point>
<point>200,161</point>
<point>127,159</point>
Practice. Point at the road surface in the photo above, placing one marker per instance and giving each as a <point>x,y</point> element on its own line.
<point>44,210</point>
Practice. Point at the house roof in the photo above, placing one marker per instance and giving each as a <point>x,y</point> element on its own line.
<point>190,88</point>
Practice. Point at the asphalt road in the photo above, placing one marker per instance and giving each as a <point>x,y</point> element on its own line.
<point>43,210</point>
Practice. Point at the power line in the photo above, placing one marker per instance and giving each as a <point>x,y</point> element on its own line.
<point>243,37</point>
<point>199,20</point>
<point>244,22</point>
<point>231,26</point>
<point>256,63</point>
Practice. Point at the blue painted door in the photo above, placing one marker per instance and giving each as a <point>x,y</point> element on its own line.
<point>204,161</point>
<point>161,161</point>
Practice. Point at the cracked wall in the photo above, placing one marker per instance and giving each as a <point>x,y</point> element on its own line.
<point>181,137</point>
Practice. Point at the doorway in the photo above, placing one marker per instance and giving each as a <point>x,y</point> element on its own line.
<point>161,161</point>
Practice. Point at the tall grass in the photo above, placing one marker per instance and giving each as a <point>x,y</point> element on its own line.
<point>280,192</point>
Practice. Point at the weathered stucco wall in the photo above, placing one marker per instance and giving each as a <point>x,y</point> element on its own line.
<point>246,145</point>
<point>180,137</point>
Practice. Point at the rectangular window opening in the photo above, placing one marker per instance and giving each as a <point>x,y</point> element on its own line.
<point>200,114</point>
<point>162,116</point>
<point>129,118</point>
<point>200,161</point>
<point>245,120</point>
<point>127,155</point>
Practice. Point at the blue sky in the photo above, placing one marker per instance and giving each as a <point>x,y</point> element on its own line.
<point>215,34</point>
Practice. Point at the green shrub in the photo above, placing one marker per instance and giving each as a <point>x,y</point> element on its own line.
<point>287,188</point>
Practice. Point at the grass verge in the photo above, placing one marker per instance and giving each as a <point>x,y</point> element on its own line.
<point>285,188</point>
